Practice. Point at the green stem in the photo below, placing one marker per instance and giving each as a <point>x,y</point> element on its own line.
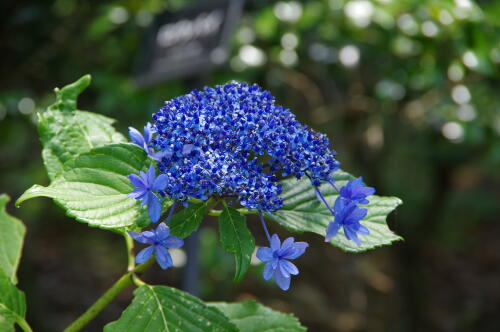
<point>124,282</point>
<point>130,252</point>
<point>24,325</point>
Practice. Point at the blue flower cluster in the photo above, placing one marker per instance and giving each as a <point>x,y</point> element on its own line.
<point>346,210</point>
<point>233,141</point>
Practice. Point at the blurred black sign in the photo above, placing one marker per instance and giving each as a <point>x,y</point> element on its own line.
<point>188,42</point>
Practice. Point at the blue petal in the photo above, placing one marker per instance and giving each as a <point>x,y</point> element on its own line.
<point>147,133</point>
<point>356,215</point>
<point>160,183</point>
<point>173,242</point>
<point>136,181</point>
<point>154,207</point>
<point>332,230</point>
<point>158,156</point>
<point>150,236</point>
<point>141,237</point>
<point>136,136</point>
<point>275,242</point>
<point>363,230</point>
<point>265,254</point>
<point>137,193</point>
<point>288,243</point>
<point>288,268</point>
<point>282,281</point>
<point>144,255</point>
<point>162,232</point>
<point>150,176</point>
<point>298,250</point>
<point>187,148</point>
<point>163,257</point>
<point>268,271</point>
<point>351,235</point>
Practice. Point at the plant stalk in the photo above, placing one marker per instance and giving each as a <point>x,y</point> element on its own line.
<point>23,324</point>
<point>120,285</point>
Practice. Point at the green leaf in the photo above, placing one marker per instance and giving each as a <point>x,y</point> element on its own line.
<point>161,308</point>
<point>236,238</point>
<point>6,324</point>
<point>302,212</point>
<point>12,300</point>
<point>93,187</point>
<point>186,221</point>
<point>12,233</point>
<point>66,132</point>
<point>250,316</point>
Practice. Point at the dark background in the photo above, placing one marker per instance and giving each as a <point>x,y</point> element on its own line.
<point>418,115</point>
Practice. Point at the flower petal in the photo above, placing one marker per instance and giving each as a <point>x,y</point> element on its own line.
<point>298,250</point>
<point>160,183</point>
<point>150,176</point>
<point>173,242</point>
<point>265,254</point>
<point>288,268</point>
<point>136,136</point>
<point>136,181</point>
<point>363,230</point>
<point>275,242</point>
<point>162,232</point>
<point>144,255</point>
<point>147,133</point>
<point>282,281</point>
<point>137,193</point>
<point>268,271</point>
<point>187,148</point>
<point>356,215</point>
<point>163,257</point>
<point>287,243</point>
<point>154,207</point>
<point>140,237</point>
<point>332,230</point>
<point>150,236</point>
<point>351,235</point>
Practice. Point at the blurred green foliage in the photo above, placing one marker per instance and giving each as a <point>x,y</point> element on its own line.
<point>406,89</point>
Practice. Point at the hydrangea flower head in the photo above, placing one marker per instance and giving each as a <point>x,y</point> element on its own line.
<point>277,258</point>
<point>159,241</point>
<point>144,185</point>
<point>347,215</point>
<point>234,141</point>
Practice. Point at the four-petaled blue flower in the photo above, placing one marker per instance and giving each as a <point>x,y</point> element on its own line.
<point>145,184</point>
<point>277,257</point>
<point>347,214</point>
<point>159,240</point>
<point>356,191</point>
